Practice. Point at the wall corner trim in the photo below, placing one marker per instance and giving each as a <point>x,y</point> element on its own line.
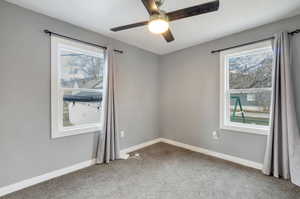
<point>124,152</point>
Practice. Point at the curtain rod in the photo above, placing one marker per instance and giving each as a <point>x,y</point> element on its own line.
<point>85,42</point>
<point>253,42</point>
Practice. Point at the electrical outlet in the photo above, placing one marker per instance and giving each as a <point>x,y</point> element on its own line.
<point>215,135</point>
<point>122,134</point>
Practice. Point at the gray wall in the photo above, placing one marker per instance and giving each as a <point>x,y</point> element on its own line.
<point>189,94</point>
<point>174,96</point>
<point>26,149</point>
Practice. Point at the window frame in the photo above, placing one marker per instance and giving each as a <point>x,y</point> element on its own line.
<point>225,122</point>
<point>57,45</point>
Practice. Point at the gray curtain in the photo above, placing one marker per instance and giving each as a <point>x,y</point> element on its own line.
<point>108,143</point>
<point>282,158</point>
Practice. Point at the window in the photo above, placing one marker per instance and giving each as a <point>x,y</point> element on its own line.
<point>246,86</point>
<point>78,75</point>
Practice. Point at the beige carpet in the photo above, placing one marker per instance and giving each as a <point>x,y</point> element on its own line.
<point>163,172</point>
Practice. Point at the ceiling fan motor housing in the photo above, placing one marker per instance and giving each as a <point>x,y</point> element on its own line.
<point>160,15</point>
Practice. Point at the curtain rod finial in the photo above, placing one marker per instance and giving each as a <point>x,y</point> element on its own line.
<point>118,51</point>
<point>47,31</point>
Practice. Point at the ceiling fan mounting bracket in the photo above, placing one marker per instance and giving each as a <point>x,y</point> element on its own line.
<point>159,3</point>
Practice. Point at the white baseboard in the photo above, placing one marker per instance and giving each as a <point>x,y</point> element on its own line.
<point>244,162</point>
<point>124,152</point>
<point>223,156</point>
<point>42,178</point>
<point>124,155</point>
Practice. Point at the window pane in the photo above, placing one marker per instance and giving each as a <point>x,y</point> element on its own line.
<point>251,70</point>
<point>250,107</point>
<point>81,107</point>
<point>81,71</point>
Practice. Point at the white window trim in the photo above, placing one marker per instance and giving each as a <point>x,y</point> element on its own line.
<point>232,126</point>
<point>57,129</point>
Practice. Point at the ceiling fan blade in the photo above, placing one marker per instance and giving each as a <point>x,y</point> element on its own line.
<point>134,25</point>
<point>194,10</point>
<point>150,6</point>
<point>168,36</point>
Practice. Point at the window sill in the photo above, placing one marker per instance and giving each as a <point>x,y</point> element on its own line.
<point>75,131</point>
<point>257,131</point>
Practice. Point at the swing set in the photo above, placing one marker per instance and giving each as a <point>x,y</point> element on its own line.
<point>236,104</point>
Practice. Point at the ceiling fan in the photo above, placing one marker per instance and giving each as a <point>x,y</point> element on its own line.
<point>159,19</point>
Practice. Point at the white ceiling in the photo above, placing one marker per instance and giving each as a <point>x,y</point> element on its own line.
<point>101,15</point>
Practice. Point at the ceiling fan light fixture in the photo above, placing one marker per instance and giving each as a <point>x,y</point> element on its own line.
<point>158,24</point>
<point>159,19</point>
